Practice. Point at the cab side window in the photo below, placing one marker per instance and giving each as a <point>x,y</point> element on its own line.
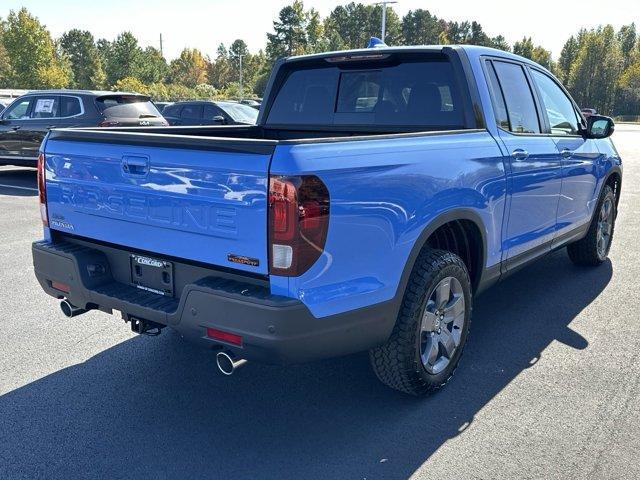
<point>558,108</point>
<point>521,108</point>
<point>18,110</point>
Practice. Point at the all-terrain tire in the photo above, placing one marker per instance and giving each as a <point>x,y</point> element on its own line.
<point>398,362</point>
<point>585,251</point>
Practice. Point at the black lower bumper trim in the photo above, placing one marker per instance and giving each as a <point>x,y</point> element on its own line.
<point>274,329</point>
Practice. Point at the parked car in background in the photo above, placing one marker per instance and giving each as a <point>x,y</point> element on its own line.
<point>588,112</point>
<point>162,105</point>
<point>25,122</point>
<point>251,103</point>
<point>205,112</point>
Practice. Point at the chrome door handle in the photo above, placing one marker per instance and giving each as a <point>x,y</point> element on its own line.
<point>520,154</point>
<point>16,128</point>
<point>566,153</point>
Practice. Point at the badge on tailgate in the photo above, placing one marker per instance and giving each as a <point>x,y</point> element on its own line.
<point>152,274</point>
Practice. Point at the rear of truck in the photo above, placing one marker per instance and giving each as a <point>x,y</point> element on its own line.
<point>182,237</point>
<point>285,242</point>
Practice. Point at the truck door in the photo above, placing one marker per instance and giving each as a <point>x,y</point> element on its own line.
<point>45,113</point>
<point>579,156</point>
<point>12,122</point>
<point>535,172</point>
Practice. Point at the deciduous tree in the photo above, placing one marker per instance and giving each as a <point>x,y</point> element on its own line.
<point>34,59</point>
<point>190,69</point>
<point>594,75</point>
<point>5,65</point>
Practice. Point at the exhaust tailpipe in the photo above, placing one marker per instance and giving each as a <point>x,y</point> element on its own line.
<point>69,310</point>
<point>227,364</point>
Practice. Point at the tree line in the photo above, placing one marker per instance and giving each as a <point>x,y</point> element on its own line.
<point>599,66</point>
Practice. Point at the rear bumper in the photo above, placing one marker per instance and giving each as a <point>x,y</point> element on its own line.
<point>274,329</point>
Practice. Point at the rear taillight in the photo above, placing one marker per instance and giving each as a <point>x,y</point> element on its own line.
<point>298,223</point>
<point>42,192</point>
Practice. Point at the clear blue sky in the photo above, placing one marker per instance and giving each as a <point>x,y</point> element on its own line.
<point>204,24</point>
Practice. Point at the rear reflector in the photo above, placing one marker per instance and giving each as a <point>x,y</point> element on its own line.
<point>63,287</point>
<point>227,337</point>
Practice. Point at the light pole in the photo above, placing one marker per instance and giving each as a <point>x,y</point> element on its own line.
<point>384,4</point>
<point>239,56</point>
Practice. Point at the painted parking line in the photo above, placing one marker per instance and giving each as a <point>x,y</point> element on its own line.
<point>19,188</point>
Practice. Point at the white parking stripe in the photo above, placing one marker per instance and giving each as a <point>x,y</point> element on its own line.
<point>19,188</point>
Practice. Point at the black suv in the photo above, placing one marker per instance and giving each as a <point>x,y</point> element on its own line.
<point>204,112</point>
<point>25,122</point>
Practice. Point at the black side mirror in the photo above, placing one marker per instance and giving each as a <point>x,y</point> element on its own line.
<point>219,119</point>
<point>599,126</point>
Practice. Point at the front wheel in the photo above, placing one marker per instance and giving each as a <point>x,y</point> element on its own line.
<point>593,249</point>
<point>425,346</point>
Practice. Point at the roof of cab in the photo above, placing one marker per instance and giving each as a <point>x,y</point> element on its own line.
<point>472,51</point>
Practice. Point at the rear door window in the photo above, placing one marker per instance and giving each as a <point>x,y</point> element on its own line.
<point>412,94</point>
<point>127,106</point>
<point>46,107</point>
<point>521,108</point>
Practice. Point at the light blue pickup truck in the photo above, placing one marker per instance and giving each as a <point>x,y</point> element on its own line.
<point>379,192</point>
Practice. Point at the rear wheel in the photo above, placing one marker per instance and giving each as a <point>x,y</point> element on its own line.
<point>425,346</point>
<point>593,249</point>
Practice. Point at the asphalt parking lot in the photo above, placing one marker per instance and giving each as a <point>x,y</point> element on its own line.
<point>549,386</point>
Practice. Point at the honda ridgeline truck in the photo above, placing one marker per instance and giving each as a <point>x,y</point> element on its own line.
<point>378,193</point>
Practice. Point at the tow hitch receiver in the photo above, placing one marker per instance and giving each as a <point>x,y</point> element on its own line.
<point>145,327</point>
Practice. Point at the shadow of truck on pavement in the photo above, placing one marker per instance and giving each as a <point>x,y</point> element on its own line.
<point>156,407</point>
<point>18,182</point>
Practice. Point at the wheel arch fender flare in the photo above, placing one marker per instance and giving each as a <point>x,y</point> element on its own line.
<point>440,220</point>
<point>615,170</point>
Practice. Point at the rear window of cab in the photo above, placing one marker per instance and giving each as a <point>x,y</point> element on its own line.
<point>421,93</point>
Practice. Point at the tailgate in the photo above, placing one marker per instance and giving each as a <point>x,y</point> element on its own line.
<point>195,198</point>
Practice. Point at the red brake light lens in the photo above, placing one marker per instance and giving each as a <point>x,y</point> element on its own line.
<point>42,193</point>
<point>298,223</point>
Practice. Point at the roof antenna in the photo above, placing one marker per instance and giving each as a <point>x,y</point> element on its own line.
<point>375,42</point>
